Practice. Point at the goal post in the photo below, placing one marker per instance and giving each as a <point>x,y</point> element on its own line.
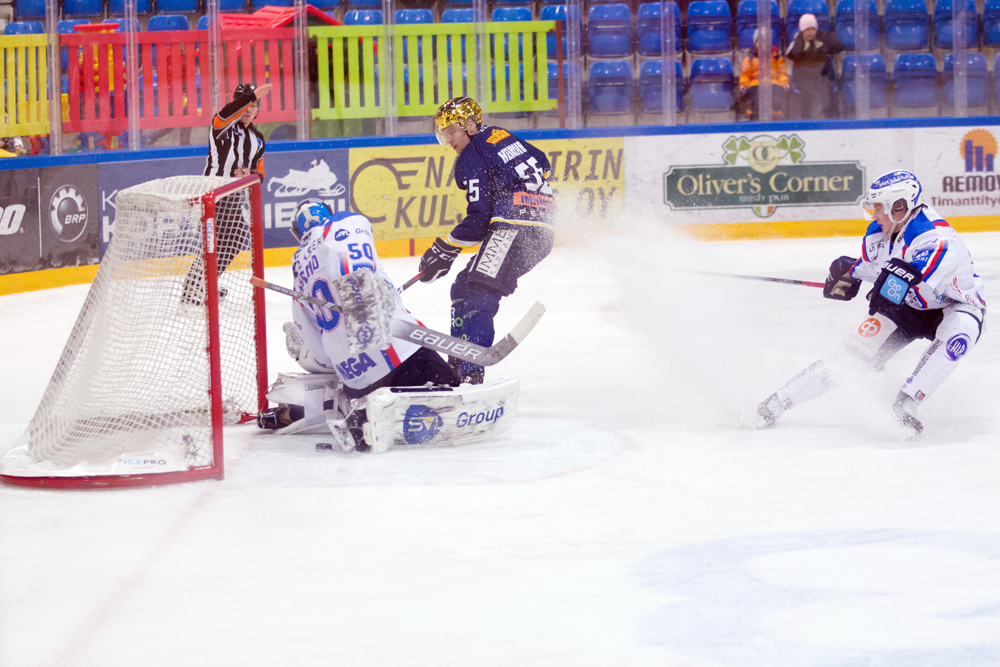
<point>168,348</point>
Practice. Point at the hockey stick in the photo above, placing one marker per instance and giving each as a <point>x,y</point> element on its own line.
<point>787,281</point>
<point>409,283</point>
<point>435,340</point>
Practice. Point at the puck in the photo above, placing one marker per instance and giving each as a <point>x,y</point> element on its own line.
<point>324,447</point>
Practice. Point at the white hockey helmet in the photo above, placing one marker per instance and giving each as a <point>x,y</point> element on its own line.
<point>899,193</point>
<point>310,213</point>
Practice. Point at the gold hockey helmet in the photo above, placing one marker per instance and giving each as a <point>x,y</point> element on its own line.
<point>456,110</point>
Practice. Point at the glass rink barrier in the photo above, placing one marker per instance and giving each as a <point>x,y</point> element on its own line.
<point>100,75</point>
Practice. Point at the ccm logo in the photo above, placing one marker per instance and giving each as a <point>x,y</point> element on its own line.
<point>443,344</point>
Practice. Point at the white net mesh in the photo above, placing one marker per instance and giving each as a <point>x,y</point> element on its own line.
<point>134,377</point>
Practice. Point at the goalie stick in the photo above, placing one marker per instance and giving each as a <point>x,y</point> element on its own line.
<point>435,340</point>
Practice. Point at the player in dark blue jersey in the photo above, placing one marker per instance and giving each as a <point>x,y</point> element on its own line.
<point>509,216</point>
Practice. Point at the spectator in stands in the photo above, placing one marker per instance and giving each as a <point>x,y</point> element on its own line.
<point>12,146</point>
<point>750,81</point>
<point>812,73</point>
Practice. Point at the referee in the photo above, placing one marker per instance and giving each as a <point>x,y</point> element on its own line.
<point>235,149</point>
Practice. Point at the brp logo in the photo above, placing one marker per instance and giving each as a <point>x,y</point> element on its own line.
<point>420,424</point>
<point>869,328</point>
<point>68,213</point>
<point>957,346</point>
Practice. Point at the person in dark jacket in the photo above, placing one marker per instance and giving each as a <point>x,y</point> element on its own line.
<point>812,74</point>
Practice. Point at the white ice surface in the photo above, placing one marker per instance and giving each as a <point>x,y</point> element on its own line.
<point>630,517</point>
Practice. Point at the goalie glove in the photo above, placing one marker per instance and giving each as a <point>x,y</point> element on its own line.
<point>839,284</point>
<point>892,286</point>
<point>437,261</point>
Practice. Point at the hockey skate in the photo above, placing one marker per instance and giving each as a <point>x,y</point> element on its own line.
<point>903,410</point>
<point>771,409</point>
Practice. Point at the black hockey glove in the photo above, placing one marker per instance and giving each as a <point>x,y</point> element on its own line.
<point>437,261</point>
<point>892,285</point>
<point>839,284</point>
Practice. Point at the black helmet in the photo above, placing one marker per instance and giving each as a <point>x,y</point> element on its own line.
<point>243,89</point>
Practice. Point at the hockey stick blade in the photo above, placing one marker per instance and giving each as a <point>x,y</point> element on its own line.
<point>435,340</point>
<point>787,281</point>
<point>259,282</point>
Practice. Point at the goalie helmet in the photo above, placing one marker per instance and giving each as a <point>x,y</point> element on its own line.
<point>898,192</point>
<point>456,111</point>
<point>310,213</point>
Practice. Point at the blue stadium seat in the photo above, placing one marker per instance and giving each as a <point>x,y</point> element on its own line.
<point>906,25</point>
<point>202,23</point>
<point>515,120</point>
<point>258,4</point>
<point>363,17</point>
<point>457,3</point>
<point>609,31</point>
<point>560,13</point>
<point>121,24</point>
<point>915,85</point>
<point>412,17</point>
<point>877,83</point>
<point>457,15</point>
<point>117,7</point>
<point>356,4</point>
<point>650,16</point>
<point>976,85</point>
<point>712,85</point>
<point>232,5</point>
<point>709,27</point>
<point>846,31</point>
<point>24,28</point>
<point>991,23</point>
<point>177,6</point>
<point>795,10</point>
<point>167,22</point>
<point>29,9</point>
<point>746,23</point>
<point>75,8</point>
<point>651,87</point>
<point>66,28</point>
<point>610,88</point>
<point>944,27</point>
<point>501,14</point>
<point>574,92</point>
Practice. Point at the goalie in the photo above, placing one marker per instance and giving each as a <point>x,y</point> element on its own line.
<point>351,353</point>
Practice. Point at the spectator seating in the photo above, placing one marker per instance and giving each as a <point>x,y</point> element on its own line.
<point>202,23</point>
<point>574,93</point>
<point>117,7</point>
<point>944,28</point>
<point>795,10</point>
<point>906,25</point>
<point>914,85</point>
<point>457,3</point>
<point>996,88</point>
<point>976,85</point>
<point>178,6</point>
<point>711,87</point>
<point>877,85</point>
<point>259,4</point>
<point>457,15</point>
<point>411,17</point>
<point>610,88</point>
<point>24,28</point>
<point>991,24</point>
<point>80,8</point>
<point>500,14</point>
<point>512,120</point>
<point>514,3</point>
<point>167,22</point>
<point>363,17</point>
<point>847,31</point>
<point>609,31</point>
<point>121,24</point>
<point>361,4</point>
<point>746,23</point>
<point>561,13</point>
<point>651,91</point>
<point>650,17</point>
<point>29,9</point>
<point>709,27</point>
<point>66,28</point>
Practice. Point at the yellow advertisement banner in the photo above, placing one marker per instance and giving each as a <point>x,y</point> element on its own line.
<point>409,192</point>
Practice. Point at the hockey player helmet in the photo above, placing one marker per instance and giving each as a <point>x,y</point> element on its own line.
<point>456,111</point>
<point>899,194</point>
<point>310,213</point>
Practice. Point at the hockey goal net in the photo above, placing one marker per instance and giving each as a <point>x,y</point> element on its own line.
<point>168,347</point>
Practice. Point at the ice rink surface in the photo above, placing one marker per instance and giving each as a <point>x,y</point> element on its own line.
<point>632,516</point>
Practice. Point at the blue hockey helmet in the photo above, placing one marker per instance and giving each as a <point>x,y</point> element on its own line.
<point>310,213</point>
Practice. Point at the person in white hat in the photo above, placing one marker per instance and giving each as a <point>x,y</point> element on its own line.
<point>811,54</point>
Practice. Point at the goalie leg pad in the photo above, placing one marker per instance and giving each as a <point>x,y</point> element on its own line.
<point>436,416</point>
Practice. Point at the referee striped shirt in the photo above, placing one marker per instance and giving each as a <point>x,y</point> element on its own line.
<point>233,144</point>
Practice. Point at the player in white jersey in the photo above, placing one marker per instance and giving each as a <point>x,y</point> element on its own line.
<point>926,286</point>
<point>334,247</point>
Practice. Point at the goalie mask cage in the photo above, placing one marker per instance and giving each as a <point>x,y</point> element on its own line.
<point>168,347</point>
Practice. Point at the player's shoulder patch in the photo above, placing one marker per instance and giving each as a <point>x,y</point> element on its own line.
<point>497,134</point>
